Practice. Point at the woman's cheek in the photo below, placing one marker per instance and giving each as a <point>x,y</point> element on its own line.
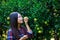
<point>21,22</point>
<point>18,21</point>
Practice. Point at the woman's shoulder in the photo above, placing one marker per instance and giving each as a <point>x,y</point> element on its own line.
<point>10,30</point>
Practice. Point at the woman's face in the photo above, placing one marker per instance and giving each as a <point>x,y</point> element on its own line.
<point>20,19</point>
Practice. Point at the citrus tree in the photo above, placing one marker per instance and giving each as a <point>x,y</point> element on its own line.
<point>44,17</point>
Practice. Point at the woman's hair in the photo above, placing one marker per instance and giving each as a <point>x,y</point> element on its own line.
<point>14,24</point>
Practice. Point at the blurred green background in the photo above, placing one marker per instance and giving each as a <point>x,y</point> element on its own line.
<point>44,17</point>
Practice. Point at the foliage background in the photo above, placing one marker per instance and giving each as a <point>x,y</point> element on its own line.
<point>44,16</point>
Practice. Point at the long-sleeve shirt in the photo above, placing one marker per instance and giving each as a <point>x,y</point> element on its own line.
<point>23,31</point>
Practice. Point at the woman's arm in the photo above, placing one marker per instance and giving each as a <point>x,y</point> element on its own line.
<point>24,37</point>
<point>27,26</point>
<point>29,31</point>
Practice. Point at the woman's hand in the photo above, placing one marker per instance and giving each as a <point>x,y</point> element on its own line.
<point>26,20</point>
<point>24,37</point>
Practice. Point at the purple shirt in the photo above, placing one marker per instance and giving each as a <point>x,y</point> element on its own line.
<point>23,31</point>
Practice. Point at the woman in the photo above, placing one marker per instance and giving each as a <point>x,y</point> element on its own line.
<point>18,32</point>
